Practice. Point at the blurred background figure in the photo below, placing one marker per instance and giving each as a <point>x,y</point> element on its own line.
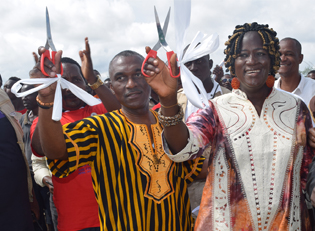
<point>17,102</point>
<point>226,81</point>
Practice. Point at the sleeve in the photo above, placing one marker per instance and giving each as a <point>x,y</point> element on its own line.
<point>33,126</point>
<point>193,168</point>
<point>202,132</point>
<point>40,169</point>
<point>82,141</point>
<point>308,163</point>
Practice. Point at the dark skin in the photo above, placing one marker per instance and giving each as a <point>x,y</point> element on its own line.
<point>252,70</point>
<point>131,89</point>
<point>29,101</point>
<point>201,69</point>
<point>17,102</point>
<point>53,142</point>
<point>291,58</point>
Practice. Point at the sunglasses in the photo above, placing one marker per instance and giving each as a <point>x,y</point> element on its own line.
<point>226,80</point>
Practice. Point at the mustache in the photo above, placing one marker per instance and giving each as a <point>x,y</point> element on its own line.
<point>130,92</point>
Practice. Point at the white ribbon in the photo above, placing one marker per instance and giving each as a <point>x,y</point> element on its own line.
<point>208,44</point>
<point>61,84</point>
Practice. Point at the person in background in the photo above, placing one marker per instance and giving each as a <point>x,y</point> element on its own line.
<point>17,102</point>
<point>41,194</point>
<point>291,79</point>
<point>226,81</point>
<point>16,198</point>
<point>0,81</point>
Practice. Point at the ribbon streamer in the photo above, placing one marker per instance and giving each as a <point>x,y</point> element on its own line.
<point>207,45</point>
<point>61,84</point>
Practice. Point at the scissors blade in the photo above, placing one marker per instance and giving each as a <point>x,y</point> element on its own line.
<point>165,26</point>
<point>48,31</point>
<point>160,32</point>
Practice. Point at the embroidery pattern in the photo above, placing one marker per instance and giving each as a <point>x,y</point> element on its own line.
<point>221,203</point>
<point>295,215</point>
<point>153,163</point>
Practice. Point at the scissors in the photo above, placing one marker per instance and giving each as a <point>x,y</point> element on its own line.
<point>169,51</point>
<point>153,52</point>
<point>49,44</point>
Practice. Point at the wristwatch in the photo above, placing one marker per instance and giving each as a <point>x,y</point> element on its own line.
<point>98,83</point>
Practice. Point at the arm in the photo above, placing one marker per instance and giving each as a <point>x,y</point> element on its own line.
<point>104,93</point>
<point>166,87</point>
<point>42,174</point>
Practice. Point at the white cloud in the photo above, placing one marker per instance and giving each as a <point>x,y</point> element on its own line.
<point>115,25</point>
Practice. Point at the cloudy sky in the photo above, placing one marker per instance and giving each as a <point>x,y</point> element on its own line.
<point>116,25</point>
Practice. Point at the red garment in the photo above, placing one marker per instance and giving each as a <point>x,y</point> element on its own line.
<point>74,196</point>
<point>22,111</point>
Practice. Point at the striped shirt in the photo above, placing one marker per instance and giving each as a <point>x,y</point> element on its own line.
<point>136,186</point>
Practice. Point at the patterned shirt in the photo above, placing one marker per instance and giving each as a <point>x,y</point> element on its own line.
<point>256,170</point>
<point>136,185</point>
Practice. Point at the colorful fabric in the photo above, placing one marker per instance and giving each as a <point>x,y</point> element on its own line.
<point>136,186</point>
<point>74,195</point>
<point>256,170</point>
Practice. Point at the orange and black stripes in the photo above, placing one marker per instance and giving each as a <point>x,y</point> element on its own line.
<point>104,143</point>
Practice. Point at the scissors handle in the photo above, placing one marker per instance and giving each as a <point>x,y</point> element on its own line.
<point>46,54</point>
<point>152,53</point>
<point>169,55</point>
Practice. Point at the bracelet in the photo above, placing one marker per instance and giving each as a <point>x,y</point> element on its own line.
<point>97,84</point>
<point>167,121</point>
<point>169,106</point>
<point>43,105</point>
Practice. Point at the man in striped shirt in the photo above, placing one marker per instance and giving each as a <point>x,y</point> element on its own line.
<point>136,185</point>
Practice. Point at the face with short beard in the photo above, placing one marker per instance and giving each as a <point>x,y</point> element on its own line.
<point>128,83</point>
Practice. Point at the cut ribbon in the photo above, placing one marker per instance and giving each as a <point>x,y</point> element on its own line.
<point>61,84</point>
<point>207,45</point>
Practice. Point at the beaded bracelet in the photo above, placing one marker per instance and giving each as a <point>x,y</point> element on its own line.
<point>44,105</point>
<point>167,121</point>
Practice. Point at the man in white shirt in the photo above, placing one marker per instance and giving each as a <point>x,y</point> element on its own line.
<point>201,68</point>
<point>290,79</point>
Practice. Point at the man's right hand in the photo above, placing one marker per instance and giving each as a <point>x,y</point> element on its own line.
<point>50,69</point>
<point>160,79</point>
<point>48,182</point>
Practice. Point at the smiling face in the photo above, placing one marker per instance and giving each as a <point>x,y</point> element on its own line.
<point>71,72</point>
<point>252,65</point>
<point>128,83</point>
<point>291,58</point>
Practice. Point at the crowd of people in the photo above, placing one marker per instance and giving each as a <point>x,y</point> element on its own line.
<point>146,158</point>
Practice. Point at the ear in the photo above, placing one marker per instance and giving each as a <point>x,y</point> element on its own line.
<point>301,56</point>
<point>210,63</point>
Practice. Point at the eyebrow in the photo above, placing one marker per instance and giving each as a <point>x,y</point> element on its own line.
<point>254,49</point>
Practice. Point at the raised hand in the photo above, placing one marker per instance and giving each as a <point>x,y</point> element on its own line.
<point>86,63</point>
<point>160,79</point>
<point>50,68</point>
